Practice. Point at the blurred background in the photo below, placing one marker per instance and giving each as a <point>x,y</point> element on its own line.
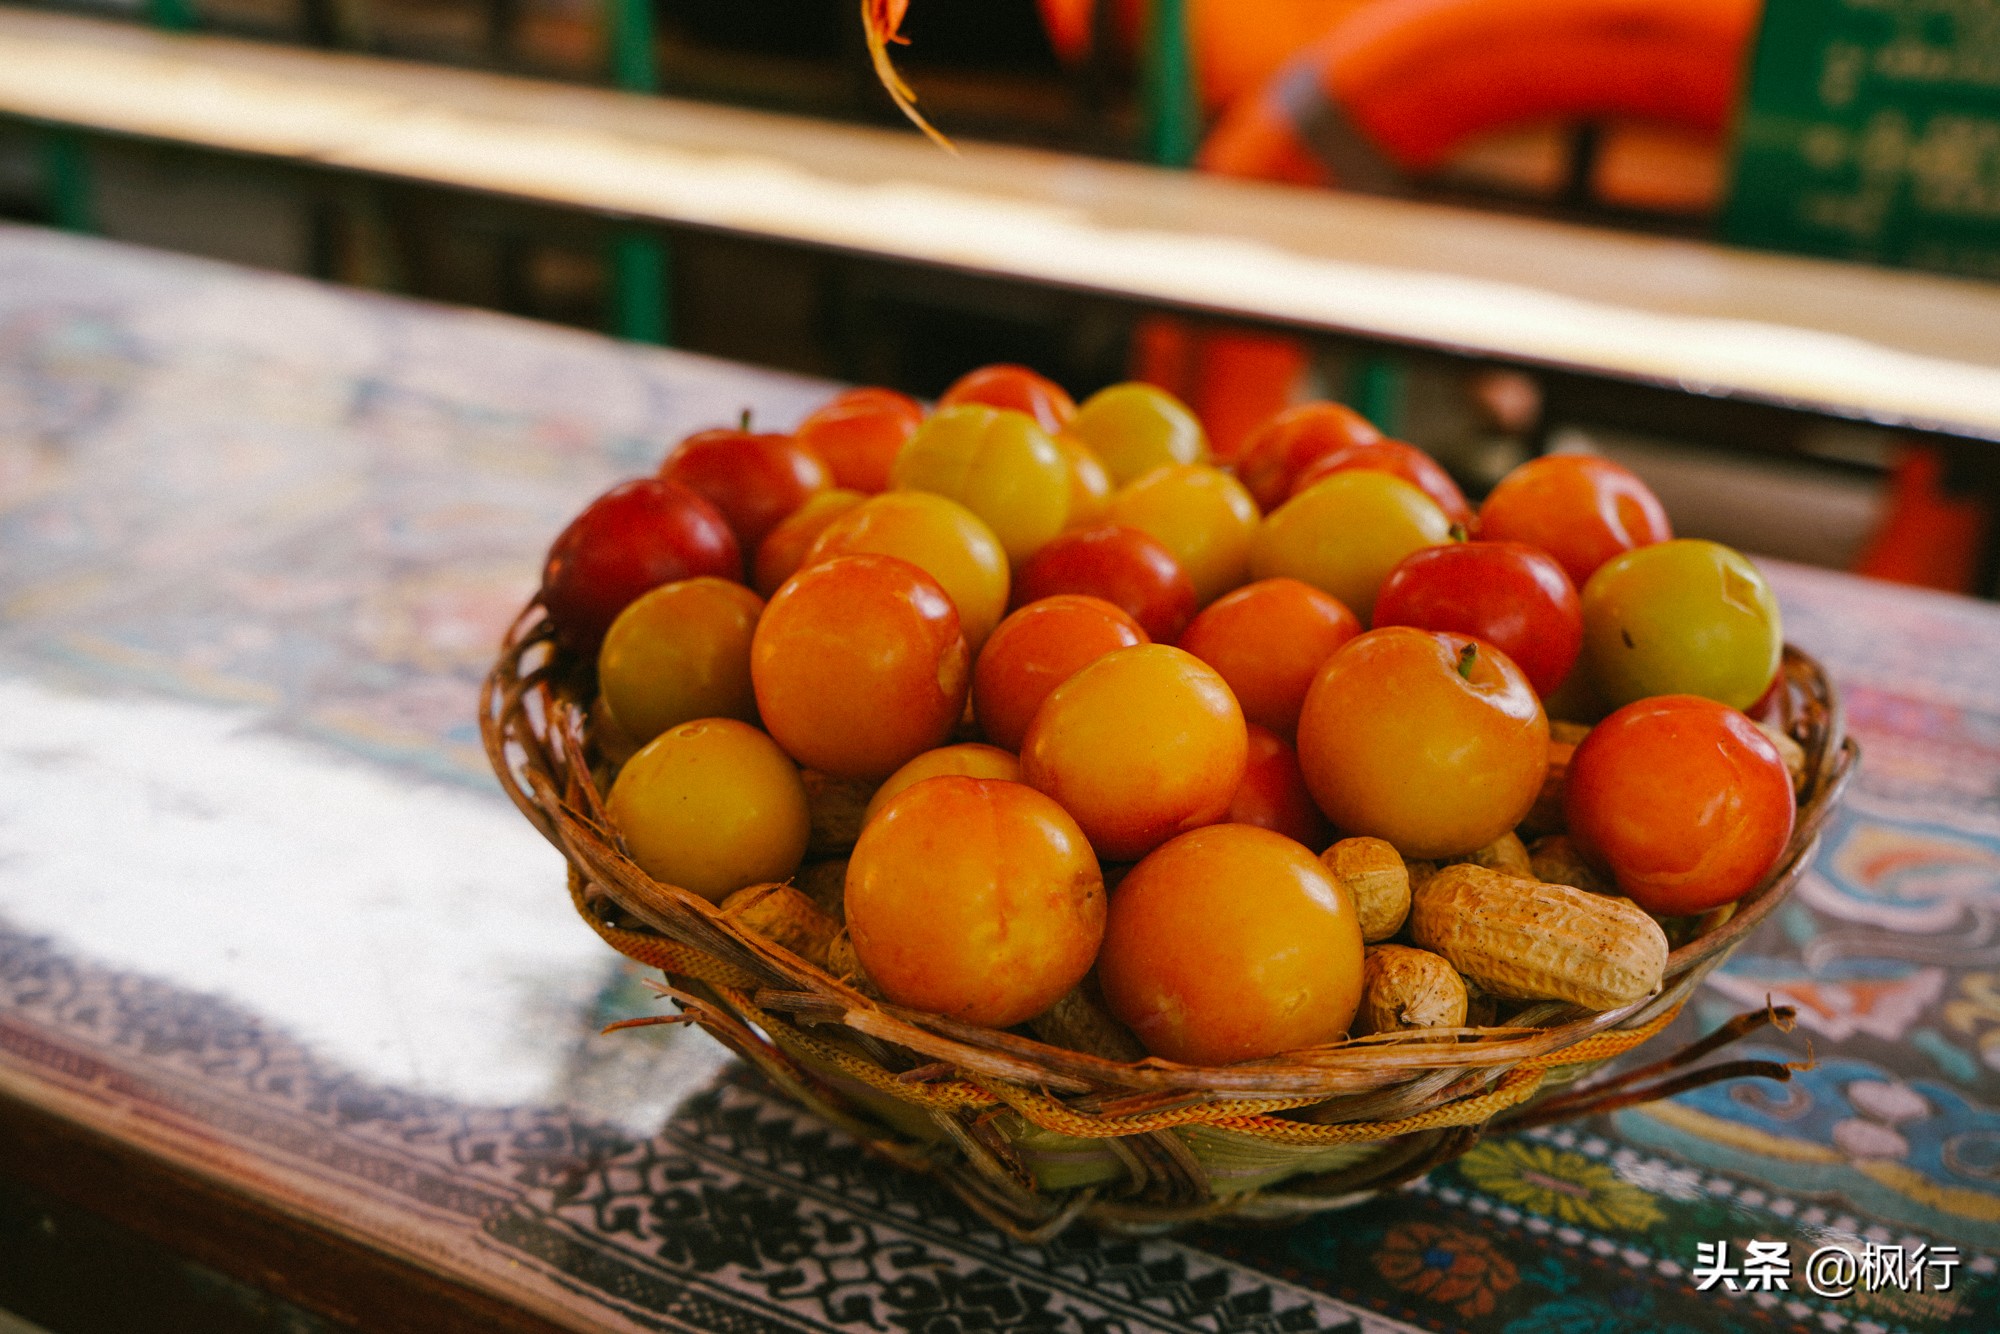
<point>1672,118</point>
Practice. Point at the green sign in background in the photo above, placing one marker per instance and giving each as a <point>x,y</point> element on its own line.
<point>1872,131</point>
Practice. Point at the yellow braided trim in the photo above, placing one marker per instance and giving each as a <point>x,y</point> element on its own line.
<point>1516,1086</point>
<point>659,952</point>
<point>1049,1114</point>
<point>944,1095</point>
<point>1601,1046</point>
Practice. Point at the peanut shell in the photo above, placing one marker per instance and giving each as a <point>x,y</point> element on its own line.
<point>1374,875</point>
<point>1506,853</point>
<point>1791,752</point>
<point>1404,988</point>
<point>1080,1022</point>
<point>1525,940</point>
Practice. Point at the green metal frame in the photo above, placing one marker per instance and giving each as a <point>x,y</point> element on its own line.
<point>1172,106</point>
<point>66,179</point>
<point>173,15</point>
<point>640,263</point>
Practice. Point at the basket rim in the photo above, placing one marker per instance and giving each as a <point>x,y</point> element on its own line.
<point>532,726</point>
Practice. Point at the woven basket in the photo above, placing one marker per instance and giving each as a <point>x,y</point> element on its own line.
<point>1036,1136</point>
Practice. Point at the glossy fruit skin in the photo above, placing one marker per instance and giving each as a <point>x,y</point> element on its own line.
<point>1017,388</point>
<point>1201,514</point>
<point>1345,534</point>
<point>1140,745</point>
<point>969,759</point>
<point>678,653</point>
<point>1229,944</point>
<point>1683,800</point>
<point>1685,617</point>
<point>1127,568</point>
<point>784,550</point>
<point>974,899</point>
<point>712,806</point>
<point>634,537</point>
<point>1268,640</point>
<point>996,463</point>
<point>1398,460</point>
<point>1581,510</point>
<point>1511,595</point>
<point>859,665</point>
<point>1035,650</point>
<point>940,537</point>
<point>753,480</point>
<point>1273,793</point>
<point>858,435</point>
<point>1089,482</point>
<point>1135,428</point>
<point>1276,452</point>
<point>1398,745</point>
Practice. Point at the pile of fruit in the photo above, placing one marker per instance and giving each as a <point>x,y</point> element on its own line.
<point>1020,712</point>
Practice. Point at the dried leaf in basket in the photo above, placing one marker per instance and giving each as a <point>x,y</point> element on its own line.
<point>844,963</point>
<point>787,918</point>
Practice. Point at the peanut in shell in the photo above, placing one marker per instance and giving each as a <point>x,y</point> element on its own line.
<point>1555,860</point>
<point>1373,874</point>
<point>1791,752</point>
<point>1404,988</point>
<point>1080,1022</point>
<point>1526,940</point>
<point>1505,854</point>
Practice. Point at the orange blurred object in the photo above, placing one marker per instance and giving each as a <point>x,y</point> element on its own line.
<point>1927,536</point>
<point>1238,43</point>
<point>1384,88</point>
<point>1408,81</point>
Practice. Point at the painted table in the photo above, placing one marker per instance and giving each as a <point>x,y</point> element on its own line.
<point>275,951</point>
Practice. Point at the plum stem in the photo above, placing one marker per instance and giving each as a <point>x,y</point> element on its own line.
<point>1466,657</point>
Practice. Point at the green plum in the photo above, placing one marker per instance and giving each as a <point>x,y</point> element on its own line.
<point>1685,617</point>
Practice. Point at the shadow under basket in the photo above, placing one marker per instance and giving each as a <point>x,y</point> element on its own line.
<point>1036,1137</point>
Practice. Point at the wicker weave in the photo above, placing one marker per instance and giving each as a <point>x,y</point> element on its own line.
<point>1037,1136</point>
